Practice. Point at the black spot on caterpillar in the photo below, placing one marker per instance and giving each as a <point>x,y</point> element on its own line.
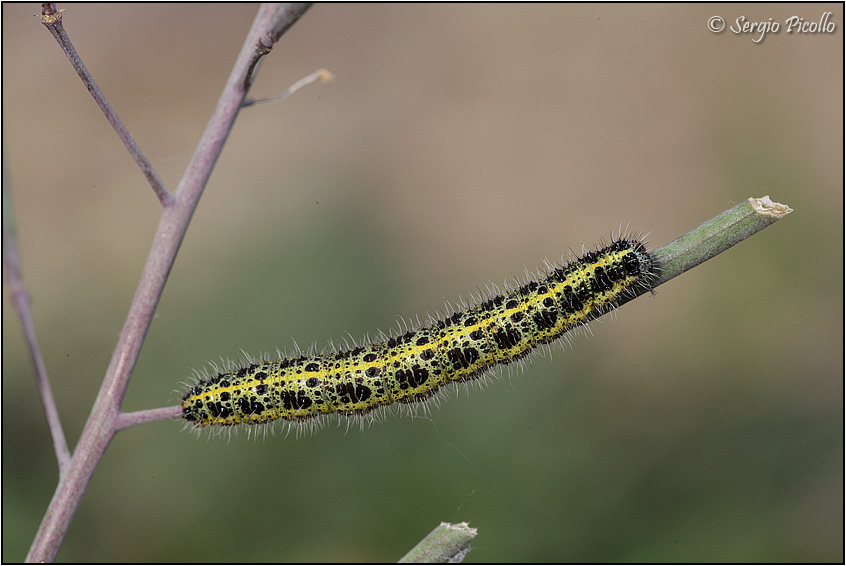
<point>411,367</point>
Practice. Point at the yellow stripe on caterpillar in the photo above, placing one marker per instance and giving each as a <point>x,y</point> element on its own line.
<point>413,366</point>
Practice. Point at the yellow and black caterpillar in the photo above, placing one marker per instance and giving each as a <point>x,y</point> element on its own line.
<point>413,366</point>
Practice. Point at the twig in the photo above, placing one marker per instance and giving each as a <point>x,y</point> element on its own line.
<point>102,422</point>
<point>321,75</point>
<point>52,20</point>
<point>127,420</point>
<point>21,302</point>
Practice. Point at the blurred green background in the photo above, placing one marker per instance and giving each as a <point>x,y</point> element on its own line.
<point>458,145</point>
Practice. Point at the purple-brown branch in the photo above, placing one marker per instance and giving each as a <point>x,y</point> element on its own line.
<point>21,302</point>
<point>105,418</point>
<point>52,20</point>
<point>127,420</point>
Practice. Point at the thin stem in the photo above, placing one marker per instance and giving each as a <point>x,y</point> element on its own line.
<point>52,20</point>
<point>321,75</point>
<point>21,301</point>
<point>127,420</point>
<point>176,215</point>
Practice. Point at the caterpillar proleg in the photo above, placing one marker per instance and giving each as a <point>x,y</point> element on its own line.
<point>411,367</point>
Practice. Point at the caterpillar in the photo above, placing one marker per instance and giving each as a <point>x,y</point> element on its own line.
<point>411,367</point>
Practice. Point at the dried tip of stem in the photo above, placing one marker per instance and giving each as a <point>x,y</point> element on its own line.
<point>52,18</point>
<point>767,207</point>
<point>322,75</point>
<point>463,527</point>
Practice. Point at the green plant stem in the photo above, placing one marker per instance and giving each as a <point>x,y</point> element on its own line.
<point>716,236</point>
<point>447,543</point>
<point>712,238</point>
